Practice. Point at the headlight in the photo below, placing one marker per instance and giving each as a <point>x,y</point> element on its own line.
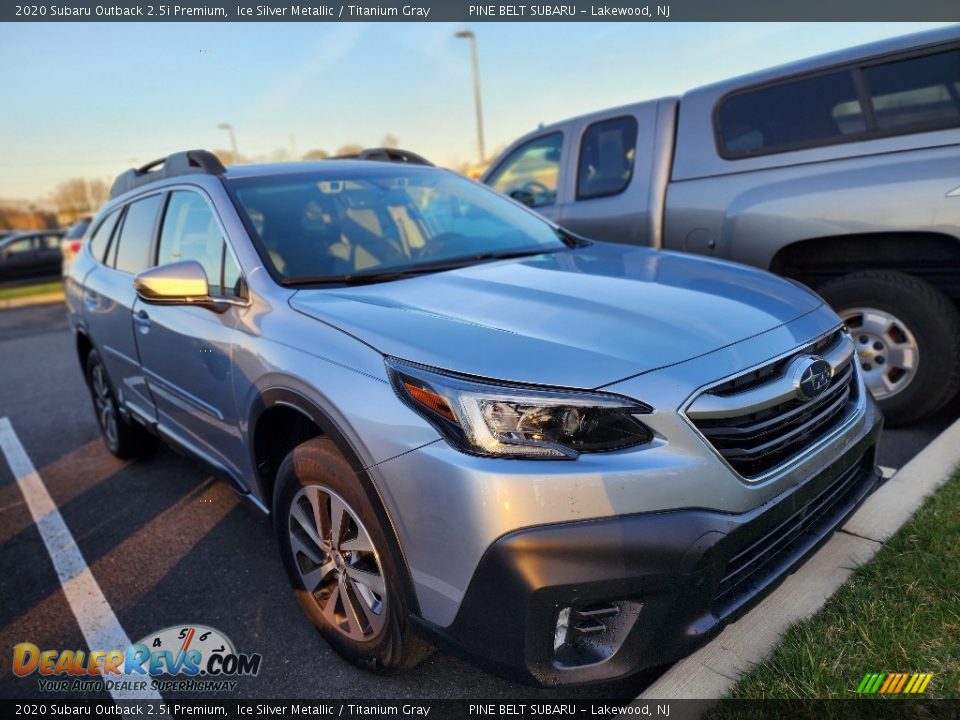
<point>506,421</point>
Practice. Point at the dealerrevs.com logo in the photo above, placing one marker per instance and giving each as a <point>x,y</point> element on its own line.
<point>181,658</point>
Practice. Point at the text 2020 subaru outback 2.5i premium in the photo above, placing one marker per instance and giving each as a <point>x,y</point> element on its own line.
<point>568,460</point>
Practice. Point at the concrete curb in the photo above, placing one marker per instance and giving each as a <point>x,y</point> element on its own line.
<point>45,299</point>
<point>712,671</point>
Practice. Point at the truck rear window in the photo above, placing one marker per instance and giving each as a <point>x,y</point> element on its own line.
<point>803,113</point>
<point>897,97</point>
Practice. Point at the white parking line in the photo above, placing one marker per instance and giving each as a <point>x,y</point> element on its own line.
<point>96,618</point>
<point>888,472</point>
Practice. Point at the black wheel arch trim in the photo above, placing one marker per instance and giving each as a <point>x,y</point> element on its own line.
<point>281,396</point>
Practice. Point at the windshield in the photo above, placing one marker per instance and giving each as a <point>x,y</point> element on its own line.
<point>377,221</point>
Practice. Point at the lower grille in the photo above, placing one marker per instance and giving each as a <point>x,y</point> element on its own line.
<point>754,437</point>
<point>763,560</point>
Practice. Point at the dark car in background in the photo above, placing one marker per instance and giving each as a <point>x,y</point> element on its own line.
<point>30,254</point>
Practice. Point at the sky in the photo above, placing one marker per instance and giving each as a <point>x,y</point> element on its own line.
<point>92,99</point>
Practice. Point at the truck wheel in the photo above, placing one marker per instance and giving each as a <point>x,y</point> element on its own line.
<point>908,339</point>
<point>124,438</point>
<point>335,553</point>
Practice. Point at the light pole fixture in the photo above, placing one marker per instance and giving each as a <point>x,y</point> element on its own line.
<point>471,36</point>
<point>233,139</point>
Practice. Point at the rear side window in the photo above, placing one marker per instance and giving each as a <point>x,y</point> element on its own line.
<point>918,93</point>
<point>607,153</point>
<point>191,232</point>
<point>136,235</point>
<point>101,237</point>
<point>529,174</point>
<point>813,111</point>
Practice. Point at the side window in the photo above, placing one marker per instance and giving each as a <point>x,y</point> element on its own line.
<point>191,232</point>
<point>19,246</point>
<point>920,92</point>
<point>50,242</point>
<point>529,174</point>
<point>811,111</point>
<point>607,153</point>
<point>101,237</point>
<point>136,235</point>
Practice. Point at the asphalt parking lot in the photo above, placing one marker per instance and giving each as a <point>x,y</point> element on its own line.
<point>170,545</point>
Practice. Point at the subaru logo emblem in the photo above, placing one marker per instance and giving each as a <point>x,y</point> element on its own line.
<point>811,376</point>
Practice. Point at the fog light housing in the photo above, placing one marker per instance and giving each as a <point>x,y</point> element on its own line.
<point>592,634</point>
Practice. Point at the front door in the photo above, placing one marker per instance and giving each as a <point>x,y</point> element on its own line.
<point>186,349</point>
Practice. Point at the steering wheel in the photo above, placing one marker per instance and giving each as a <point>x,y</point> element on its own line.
<point>529,192</point>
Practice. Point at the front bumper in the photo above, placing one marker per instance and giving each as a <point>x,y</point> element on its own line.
<point>674,577</point>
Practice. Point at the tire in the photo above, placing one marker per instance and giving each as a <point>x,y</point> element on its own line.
<point>124,438</point>
<point>908,338</point>
<point>355,596</point>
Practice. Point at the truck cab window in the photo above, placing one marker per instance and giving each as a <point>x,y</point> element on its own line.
<point>607,152</point>
<point>529,174</point>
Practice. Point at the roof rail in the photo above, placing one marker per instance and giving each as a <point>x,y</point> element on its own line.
<point>191,162</point>
<point>385,154</point>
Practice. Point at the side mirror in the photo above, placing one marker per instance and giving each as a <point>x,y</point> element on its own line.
<point>175,283</point>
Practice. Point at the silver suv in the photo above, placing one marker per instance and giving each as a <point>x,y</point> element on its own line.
<point>568,460</point>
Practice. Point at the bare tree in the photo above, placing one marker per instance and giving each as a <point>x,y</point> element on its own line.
<point>316,155</point>
<point>227,157</point>
<point>80,195</point>
<point>350,149</point>
<point>390,141</point>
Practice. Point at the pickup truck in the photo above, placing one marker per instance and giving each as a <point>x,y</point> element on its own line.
<point>841,172</point>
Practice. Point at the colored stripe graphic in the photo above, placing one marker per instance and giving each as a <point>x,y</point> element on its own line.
<point>894,683</point>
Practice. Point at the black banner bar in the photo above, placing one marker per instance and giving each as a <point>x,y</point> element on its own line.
<point>481,11</point>
<point>871,709</point>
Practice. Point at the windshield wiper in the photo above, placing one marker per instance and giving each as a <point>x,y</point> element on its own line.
<point>413,270</point>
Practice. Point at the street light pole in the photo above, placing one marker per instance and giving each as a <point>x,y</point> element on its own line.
<point>233,140</point>
<point>469,35</point>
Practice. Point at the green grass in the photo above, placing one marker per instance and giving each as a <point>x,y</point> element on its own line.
<point>27,290</point>
<point>898,613</point>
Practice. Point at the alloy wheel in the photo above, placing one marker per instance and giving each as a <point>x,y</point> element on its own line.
<point>337,562</point>
<point>886,348</point>
<point>104,405</point>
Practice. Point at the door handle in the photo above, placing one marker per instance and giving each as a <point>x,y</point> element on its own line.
<point>142,319</point>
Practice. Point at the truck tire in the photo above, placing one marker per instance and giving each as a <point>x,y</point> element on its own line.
<point>336,557</point>
<point>123,437</point>
<point>908,339</point>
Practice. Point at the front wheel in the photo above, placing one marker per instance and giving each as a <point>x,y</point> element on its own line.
<point>908,340</point>
<point>335,553</point>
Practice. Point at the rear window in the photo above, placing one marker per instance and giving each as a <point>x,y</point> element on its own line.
<point>891,98</point>
<point>77,230</point>
<point>921,92</point>
<point>804,113</point>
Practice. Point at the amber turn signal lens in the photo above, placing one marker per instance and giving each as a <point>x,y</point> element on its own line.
<point>431,400</point>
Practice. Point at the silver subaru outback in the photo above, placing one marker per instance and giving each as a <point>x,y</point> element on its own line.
<point>566,460</point>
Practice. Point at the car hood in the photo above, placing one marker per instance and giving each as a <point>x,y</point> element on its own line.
<point>579,318</point>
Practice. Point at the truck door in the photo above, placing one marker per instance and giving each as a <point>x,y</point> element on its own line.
<point>610,174</point>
